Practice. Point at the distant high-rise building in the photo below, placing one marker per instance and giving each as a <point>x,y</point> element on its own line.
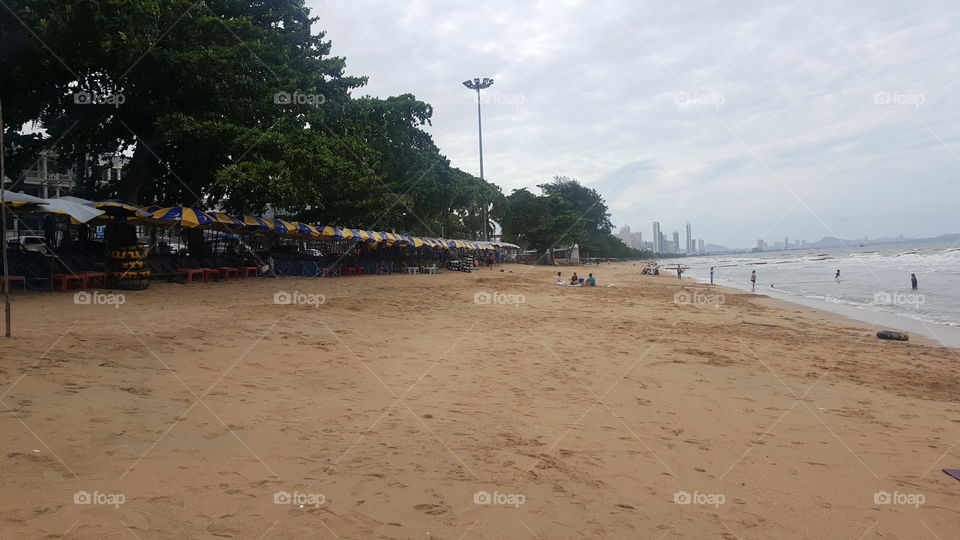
<point>676,241</point>
<point>701,250</point>
<point>624,234</point>
<point>803,244</point>
<point>761,245</point>
<point>786,243</point>
<point>657,244</point>
<point>689,240</point>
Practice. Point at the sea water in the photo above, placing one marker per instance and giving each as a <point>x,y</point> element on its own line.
<point>875,278</point>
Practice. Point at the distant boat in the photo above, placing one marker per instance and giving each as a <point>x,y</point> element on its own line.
<point>821,259</point>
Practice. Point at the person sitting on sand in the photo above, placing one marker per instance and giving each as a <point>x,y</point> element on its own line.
<point>559,280</point>
<point>591,281</point>
<point>574,279</point>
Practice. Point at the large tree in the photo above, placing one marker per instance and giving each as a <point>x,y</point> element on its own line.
<point>225,103</point>
<point>566,212</point>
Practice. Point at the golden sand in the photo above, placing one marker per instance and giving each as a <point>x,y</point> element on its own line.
<point>401,408</point>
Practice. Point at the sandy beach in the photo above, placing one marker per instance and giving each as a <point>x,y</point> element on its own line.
<point>485,405</point>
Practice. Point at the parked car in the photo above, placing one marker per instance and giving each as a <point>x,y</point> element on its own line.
<point>36,244</point>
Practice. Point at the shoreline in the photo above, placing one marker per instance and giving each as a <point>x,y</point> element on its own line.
<point>931,332</point>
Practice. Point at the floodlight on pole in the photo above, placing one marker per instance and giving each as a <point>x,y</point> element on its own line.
<point>480,84</point>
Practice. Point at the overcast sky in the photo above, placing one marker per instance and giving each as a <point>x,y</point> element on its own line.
<point>747,119</point>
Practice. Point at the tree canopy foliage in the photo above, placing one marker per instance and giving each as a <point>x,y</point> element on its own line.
<point>225,103</point>
<point>566,212</point>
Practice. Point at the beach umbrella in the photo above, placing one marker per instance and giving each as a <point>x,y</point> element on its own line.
<point>255,224</point>
<point>417,241</point>
<point>79,212</point>
<point>357,233</point>
<point>375,237</point>
<point>182,216</point>
<point>329,232</point>
<point>219,218</point>
<point>119,209</point>
<point>307,230</point>
<point>14,199</point>
<point>345,232</point>
<point>280,226</point>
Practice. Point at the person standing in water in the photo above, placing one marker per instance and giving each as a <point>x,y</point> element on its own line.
<point>753,280</point>
<point>837,277</point>
<point>913,281</point>
<point>711,275</point>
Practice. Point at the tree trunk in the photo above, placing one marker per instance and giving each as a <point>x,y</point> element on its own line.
<point>138,173</point>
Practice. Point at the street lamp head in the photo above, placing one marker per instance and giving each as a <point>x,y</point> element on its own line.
<point>478,83</point>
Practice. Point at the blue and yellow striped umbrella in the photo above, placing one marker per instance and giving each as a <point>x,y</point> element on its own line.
<point>120,209</point>
<point>280,226</point>
<point>220,218</point>
<point>254,223</point>
<point>346,233</point>
<point>14,199</point>
<point>307,230</point>
<point>375,237</point>
<point>328,231</point>
<point>362,235</point>
<point>182,216</point>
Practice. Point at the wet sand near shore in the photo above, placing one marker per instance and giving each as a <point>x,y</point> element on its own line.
<point>485,405</point>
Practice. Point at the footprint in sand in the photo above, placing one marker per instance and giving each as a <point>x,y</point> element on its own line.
<point>431,509</point>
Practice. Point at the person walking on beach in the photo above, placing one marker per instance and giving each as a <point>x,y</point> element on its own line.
<point>913,281</point>
<point>753,280</point>
<point>711,275</point>
<point>837,277</point>
<point>679,272</point>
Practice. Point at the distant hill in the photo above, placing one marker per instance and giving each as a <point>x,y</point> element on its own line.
<point>834,242</point>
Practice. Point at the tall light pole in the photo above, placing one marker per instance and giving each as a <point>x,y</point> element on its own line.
<point>479,84</point>
<point>3,235</point>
